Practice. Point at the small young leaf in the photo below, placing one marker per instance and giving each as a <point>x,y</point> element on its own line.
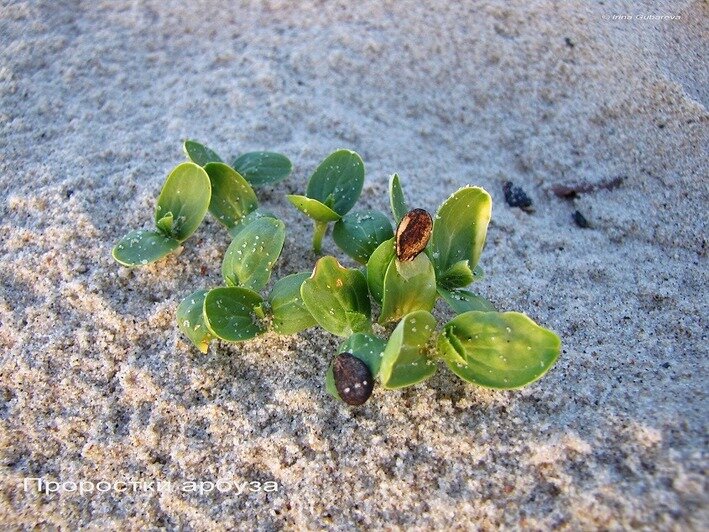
<point>190,320</point>
<point>459,231</point>
<point>251,255</point>
<point>199,153</point>
<point>263,167</point>
<point>290,316</point>
<point>230,313</point>
<point>457,276</point>
<point>164,224</point>
<point>359,233</point>
<point>465,301</point>
<point>498,349</point>
<point>232,197</point>
<point>141,247</point>
<point>405,361</point>
<point>408,286</point>
<point>338,181</point>
<point>377,266</point>
<point>337,298</point>
<point>367,347</point>
<point>397,199</point>
<point>185,196</point>
<point>313,208</point>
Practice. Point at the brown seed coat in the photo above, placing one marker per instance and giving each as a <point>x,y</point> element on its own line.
<point>412,234</point>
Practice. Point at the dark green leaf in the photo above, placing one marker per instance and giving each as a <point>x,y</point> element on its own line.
<point>359,233</point>
<point>230,313</point>
<point>337,182</point>
<point>199,153</point>
<point>397,199</point>
<point>232,197</point>
<point>290,316</point>
<point>262,168</point>
<point>142,247</point>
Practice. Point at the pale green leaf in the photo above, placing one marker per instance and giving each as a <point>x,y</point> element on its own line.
<point>190,320</point>
<point>406,361</point>
<point>498,349</point>
<point>337,298</point>
<point>185,196</point>
<point>250,257</point>
<point>459,231</point>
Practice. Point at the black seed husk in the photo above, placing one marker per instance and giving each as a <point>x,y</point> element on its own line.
<point>516,197</point>
<point>353,379</point>
<point>580,220</point>
<point>413,233</point>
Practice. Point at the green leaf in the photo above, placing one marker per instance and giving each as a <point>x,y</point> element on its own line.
<point>290,316</point>
<point>457,275</point>
<point>232,197</point>
<point>397,199</point>
<point>164,224</point>
<point>359,233</point>
<point>367,347</point>
<point>465,301</point>
<point>190,320</point>
<point>408,286</point>
<point>377,266</point>
<point>313,208</point>
<point>405,361</point>
<point>459,231</point>
<point>248,219</point>
<point>185,196</point>
<point>262,168</point>
<point>251,255</point>
<point>199,153</point>
<point>230,313</point>
<point>337,298</point>
<point>141,247</point>
<point>338,181</point>
<point>498,349</point>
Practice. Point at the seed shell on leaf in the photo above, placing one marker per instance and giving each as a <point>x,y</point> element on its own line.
<point>412,234</point>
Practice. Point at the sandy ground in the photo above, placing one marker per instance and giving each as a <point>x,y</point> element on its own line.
<point>96,383</point>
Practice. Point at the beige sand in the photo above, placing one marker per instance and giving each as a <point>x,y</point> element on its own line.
<point>97,383</point>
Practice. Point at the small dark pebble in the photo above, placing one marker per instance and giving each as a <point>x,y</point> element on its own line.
<point>580,220</point>
<point>666,365</point>
<point>413,233</point>
<point>569,42</point>
<point>516,197</point>
<point>353,379</point>
<point>69,193</point>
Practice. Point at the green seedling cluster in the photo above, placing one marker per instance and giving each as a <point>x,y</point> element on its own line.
<point>404,269</point>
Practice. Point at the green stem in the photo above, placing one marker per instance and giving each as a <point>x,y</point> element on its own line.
<point>318,234</point>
